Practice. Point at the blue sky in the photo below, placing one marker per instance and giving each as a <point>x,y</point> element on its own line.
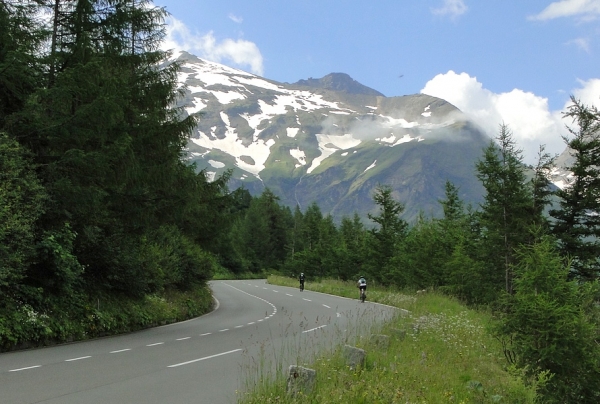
<point>511,61</point>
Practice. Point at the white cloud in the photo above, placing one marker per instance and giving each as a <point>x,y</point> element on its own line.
<point>588,93</point>
<point>585,9</point>
<point>581,43</point>
<point>241,52</point>
<point>452,8</point>
<point>235,18</point>
<point>527,115</point>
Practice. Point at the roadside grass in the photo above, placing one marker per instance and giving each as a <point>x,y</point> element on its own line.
<point>439,352</point>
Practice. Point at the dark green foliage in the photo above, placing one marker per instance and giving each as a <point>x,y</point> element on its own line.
<point>506,213</point>
<point>22,199</point>
<point>104,203</point>
<point>385,238</point>
<point>577,224</point>
<point>263,233</point>
<point>546,325</point>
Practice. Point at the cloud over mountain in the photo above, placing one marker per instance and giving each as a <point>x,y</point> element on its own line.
<point>239,52</point>
<point>527,115</point>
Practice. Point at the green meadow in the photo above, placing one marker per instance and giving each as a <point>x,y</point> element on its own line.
<point>439,351</point>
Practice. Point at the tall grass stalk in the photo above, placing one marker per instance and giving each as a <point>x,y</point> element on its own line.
<point>439,352</point>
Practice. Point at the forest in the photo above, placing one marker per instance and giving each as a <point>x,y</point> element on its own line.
<point>101,216</point>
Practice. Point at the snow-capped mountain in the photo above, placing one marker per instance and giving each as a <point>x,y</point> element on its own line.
<point>329,140</point>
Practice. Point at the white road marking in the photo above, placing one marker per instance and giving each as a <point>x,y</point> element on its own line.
<point>121,350</point>
<point>238,326</point>
<point>181,339</point>
<point>326,306</point>
<point>287,294</point>
<point>156,343</point>
<point>206,357</point>
<point>77,359</point>
<point>316,328</point>
<point>27,368</point>
<point>308,300</point>
<point>206,333</point>
<point>224,329</point>
<point>250,323</point>
<point>276,291</point>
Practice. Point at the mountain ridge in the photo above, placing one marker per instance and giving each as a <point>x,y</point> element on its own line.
<point>314,143</point>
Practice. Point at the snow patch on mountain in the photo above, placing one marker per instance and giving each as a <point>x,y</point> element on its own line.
<point>216,164</point>
<point>397,122</point>
<point>227,97</point>
<point>371,166</point>
<point>299,156</point>
<point>426,112</point>
<point>329,144</point>
<point>292,132</point>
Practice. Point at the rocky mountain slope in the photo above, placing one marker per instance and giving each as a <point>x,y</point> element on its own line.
<point>329,140</point>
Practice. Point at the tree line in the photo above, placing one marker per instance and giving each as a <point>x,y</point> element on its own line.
<point>529,252</point>
<point>96,200</point>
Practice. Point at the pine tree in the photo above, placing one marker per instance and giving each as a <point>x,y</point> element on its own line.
<point>577,222</point>
<point>546,325</point>
<point>386,237</point>
<point>506,211</point>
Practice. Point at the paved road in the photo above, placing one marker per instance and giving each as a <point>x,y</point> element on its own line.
<point>256,329</point>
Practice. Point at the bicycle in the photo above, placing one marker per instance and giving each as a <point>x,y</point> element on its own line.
<point>363,295</point>
<point>301,286</point>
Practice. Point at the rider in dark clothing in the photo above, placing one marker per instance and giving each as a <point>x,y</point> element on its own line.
<point>301,278</point>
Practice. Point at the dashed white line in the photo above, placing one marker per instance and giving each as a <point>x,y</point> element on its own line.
<point>316,328</point>
<point>121,350</point>
<point>308,300</point>
<point>276,291</point>
<point>238,326</point>
<point>250,323</point>
<point>326,306</point>
<point>181,339</point>
<point>27,368</point>
<point>224,329</point>
<point>206,357</point>
<point>206,333</point>
<point>77,359</point>
<point>155,344</point>
<point>287,294</point>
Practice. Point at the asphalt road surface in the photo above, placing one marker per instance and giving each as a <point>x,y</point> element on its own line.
<point>256,330</point>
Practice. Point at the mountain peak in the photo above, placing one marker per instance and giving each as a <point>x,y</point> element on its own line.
<point>339,82</point>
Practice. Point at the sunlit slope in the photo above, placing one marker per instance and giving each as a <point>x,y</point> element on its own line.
<point>314,144</point>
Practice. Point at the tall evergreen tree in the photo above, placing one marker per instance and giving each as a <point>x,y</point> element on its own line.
<point>506,210</point>
<point>577,222</point>
<point>385,237</point>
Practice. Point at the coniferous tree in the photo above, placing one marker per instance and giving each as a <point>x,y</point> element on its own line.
<point>21,203</point>
<point>577,222</point>
<point>386,237</point>
<point>352,247</point>
<point>546,325</point>
<point>506,213</point>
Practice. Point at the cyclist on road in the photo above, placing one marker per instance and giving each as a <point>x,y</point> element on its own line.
<point>301,278</point>
<point>362,286</point>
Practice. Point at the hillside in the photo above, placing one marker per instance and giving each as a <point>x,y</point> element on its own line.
<point>330,140</point>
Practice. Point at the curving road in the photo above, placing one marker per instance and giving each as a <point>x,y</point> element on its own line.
<point>255,330</point>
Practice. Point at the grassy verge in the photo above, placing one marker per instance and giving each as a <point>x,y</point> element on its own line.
<point>440,352</point>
